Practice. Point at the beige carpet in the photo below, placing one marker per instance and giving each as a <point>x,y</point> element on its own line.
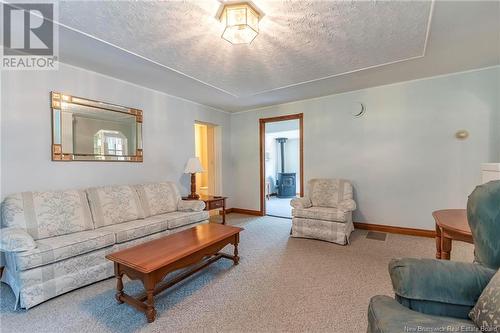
<point>281,284</point>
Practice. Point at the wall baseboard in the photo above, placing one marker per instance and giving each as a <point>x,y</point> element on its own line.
<point>243,211</point>
<point>396,230</point>
<point>359,225</point>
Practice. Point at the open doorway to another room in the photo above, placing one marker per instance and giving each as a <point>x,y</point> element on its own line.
<point>205,151</point>
<point>208,143</point>
<point>282,164</point>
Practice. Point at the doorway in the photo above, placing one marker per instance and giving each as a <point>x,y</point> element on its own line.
<point>205,137</point>
<point>281,163</point>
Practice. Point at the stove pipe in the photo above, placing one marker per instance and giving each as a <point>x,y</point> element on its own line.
<point>282,141</point>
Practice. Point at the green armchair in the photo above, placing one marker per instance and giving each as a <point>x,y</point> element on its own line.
<point>437,295</point>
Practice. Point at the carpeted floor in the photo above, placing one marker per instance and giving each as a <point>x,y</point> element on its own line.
<point>281,284</point>
<point>279,207</point>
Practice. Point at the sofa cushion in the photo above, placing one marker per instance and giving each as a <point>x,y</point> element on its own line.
<point>330,231</point>
<point>53,249</point>
<point>47,214</point>
<point>62,268</point>
<point>179,219</point>
<point>328,192</point>
<point>136,229</point>
<point>158,198</point>
<point>114,204</point>
<point>320,213</point>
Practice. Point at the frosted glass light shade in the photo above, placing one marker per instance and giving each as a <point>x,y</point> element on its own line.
<point>193,166</point>
<point>242,23</point>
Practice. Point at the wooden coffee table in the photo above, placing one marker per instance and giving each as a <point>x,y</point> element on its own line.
<point>150,262</point>
<point>451,224</point>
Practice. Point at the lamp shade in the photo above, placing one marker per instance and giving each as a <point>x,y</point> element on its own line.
<point>193,166</point>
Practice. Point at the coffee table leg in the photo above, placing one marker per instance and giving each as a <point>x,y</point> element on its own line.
<point>150,305</point>
<point>150,311</point>
<point>224,211</point>
<point>236,258</point>
<point>119,284</point>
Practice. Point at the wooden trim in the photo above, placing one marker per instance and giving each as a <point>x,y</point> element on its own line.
<point>359,225</point>
<point>262,182</point>
<point>244,211</point>
<point>262,140</point>
<point>396,230</point>
<point>282,118</point>
<point>301,157</point>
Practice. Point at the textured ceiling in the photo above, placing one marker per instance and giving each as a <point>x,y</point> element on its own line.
<point>305,48</point>
<point>298,41</point>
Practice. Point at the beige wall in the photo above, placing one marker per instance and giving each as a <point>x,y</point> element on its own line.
<point>402,156</point>
<point>168,133</point>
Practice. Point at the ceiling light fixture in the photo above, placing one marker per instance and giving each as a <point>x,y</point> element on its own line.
<point>241,21</point>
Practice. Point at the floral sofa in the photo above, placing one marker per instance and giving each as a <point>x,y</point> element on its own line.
<point>55,242</point>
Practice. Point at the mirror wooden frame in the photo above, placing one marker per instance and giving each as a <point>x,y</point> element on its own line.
<point>57,101</point>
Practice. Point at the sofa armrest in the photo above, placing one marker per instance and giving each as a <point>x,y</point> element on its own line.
<point>386,315</point>
<point>301,203</point>
<point>438,287</point>
<point>16,240</point>
<point>347,205</point>
<point>190,205</point>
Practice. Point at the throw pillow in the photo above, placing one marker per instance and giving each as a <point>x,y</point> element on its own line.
<point>486,312</point>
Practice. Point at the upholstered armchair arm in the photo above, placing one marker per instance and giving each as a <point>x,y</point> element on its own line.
<point>15,240</point>
<point>190,205</point>
<point>301,203</point>
<point>438,287</point>
<point>347,205</point>
<point>386,315</point>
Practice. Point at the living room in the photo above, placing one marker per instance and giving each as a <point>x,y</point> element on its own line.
<point>161,223</point>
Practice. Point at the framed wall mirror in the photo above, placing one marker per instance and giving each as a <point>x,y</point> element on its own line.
<point>87,130</point>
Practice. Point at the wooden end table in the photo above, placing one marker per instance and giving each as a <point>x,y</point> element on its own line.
<point>451,224</point>
<point>151,261</point>
<point>213,202</point>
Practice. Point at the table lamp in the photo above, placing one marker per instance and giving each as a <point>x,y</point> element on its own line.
<point>193,166</point>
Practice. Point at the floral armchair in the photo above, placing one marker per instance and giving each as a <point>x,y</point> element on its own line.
<point>325,212</point>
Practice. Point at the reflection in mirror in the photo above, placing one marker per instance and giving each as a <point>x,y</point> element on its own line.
<point>108,142</point>
<point>89,130</point>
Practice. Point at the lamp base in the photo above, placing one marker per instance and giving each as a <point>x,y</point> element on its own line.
<point>193,196</point>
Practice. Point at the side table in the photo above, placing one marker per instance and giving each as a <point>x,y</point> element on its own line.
<point>214,202</point>
<point>451,224</point>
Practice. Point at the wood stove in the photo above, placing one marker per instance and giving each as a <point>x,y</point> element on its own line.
<point>286,181</point>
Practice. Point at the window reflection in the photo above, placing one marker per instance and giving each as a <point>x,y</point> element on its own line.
<point>110,143</point>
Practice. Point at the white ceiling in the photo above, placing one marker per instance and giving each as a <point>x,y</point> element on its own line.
<point>305,49</point>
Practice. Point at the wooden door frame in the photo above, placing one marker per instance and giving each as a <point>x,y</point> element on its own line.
<point>262,142</point>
